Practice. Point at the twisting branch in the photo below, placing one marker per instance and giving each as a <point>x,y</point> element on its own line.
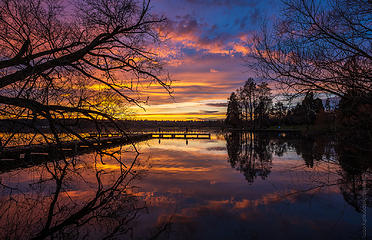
<point>50,63</point>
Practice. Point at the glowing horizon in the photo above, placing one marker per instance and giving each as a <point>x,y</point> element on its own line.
<point>204,56</point>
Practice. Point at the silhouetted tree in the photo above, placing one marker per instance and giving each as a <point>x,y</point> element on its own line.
<point>278,112</point>
<point>327,105</point>
<point>83,61</point>
<point>319,46</point>
<point>306,111</point>
<point>354,116</point>
<point>233,111</point>
<point>311,107</point>
<point>254,103</point>
<point>264,102</point>
<point>248,98</point>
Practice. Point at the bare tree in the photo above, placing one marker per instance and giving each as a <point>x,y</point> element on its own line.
<point>69,62</point>
<point>322,46</point>
<point>247,95</point>
<point>264,102</point>
<point>254,102</point>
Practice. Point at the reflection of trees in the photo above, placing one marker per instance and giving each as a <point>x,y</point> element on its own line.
<point>250,154</point>
<point>70,200</point>
<point>310,150</point>
<point>356,179</point>
<point>356,176</point>
<point>333,164</point>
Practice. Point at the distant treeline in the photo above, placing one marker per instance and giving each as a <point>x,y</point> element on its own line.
<point>87,125</point>
<point>146,124</point>
<point>252,107</point>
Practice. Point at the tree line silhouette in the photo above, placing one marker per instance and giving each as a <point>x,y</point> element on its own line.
<point>252,107</point>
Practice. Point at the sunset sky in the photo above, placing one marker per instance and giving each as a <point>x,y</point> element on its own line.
<point>208,40</point>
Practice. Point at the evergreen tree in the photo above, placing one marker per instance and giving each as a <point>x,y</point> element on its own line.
<point>311,107</point>
<point>233,111</point>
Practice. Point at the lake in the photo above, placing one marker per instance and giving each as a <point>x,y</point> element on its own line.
<point>232,186</point>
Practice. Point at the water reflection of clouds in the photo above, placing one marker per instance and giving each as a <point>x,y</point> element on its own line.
<point>198,187</point>
<point>220,193</point>
<point>194,145</point>
<point>271,216</point>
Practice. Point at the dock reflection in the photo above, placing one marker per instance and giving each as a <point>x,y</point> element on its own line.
<point>240,185</point>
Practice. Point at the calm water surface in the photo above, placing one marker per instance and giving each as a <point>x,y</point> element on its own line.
<point>234,186</point>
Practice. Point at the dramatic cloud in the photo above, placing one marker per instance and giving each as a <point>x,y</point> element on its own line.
<point>217,104</point>
<point>188,35</point>
<point>225,3</point>
<point>206,42</point>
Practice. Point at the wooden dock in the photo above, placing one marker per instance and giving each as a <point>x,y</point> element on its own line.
<point>180,135</point>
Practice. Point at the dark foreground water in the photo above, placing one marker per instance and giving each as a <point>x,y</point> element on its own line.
<point>234,186</point>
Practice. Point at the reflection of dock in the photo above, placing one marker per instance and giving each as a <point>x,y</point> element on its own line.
<point>89,141</point>
<point>169,135</point>
<point>29,155</point>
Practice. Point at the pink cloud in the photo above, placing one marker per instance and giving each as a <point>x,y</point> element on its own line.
<point>187,32</point>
